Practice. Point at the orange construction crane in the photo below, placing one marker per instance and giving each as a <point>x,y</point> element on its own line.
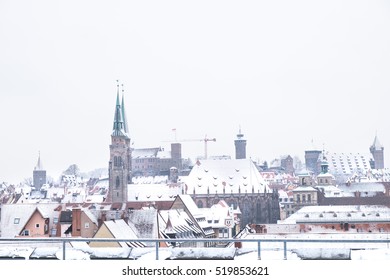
<point>205,140</point>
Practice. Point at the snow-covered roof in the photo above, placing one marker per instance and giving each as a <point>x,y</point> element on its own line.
<point>340,213</point>
<point>332,191</point>
<point>150,179</point>
<point>231,175</point>
<point>178,222</point>
<point>218,213</point>
<point>369,187</point>
<point>145,222</point>
<point>144,153</point>
<point>304,189</point>
<point>325,175</point>
<point>348,163</point>
<point>164,154</point>
<point>121,230</point>
<point>90,215</point>
<point>190,204</point>
<point>153,192</point>
<point>14,217</point>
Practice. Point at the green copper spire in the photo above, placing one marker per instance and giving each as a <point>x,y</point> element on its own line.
<point>118,126</point>
<point>125,125</point>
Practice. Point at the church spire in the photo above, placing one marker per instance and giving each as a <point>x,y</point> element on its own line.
<point>39,163</point>
<point>376,145</point>
<point>118,126</point>
<point>125,125</point>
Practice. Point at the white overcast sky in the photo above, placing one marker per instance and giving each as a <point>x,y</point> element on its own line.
<point>287,72</point>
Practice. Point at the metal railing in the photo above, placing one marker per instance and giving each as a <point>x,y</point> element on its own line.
<point>259,242</point>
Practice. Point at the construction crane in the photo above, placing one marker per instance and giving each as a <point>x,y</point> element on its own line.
<point>205,140</point>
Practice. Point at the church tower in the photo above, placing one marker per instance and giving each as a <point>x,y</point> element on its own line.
<point>377,151</point>
<point>39,174</point>
<point>240,144</point>
<point>119,170</point>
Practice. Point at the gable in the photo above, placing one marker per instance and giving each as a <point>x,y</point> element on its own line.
<point>15,216</point>
<point>37,225</point>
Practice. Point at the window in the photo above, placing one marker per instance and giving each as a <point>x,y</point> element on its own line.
<point>37,225</point>
<point>16,221</point>
<point>86,225</point>
<point>26,232</point>
<point>55,221</point>
<point>309,198</point>
<point>298,198</point>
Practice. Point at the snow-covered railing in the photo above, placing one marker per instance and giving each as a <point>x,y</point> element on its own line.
<point>69,243</point>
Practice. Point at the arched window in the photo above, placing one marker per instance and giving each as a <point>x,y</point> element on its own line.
<point>200,204</point>
<point>118,161</point>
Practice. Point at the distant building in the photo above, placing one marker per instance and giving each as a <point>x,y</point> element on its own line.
<point>343,218</point>
<point>377,151</point>
<point>344,165</point>
<point>157,161</point>
<point>239,183</point>
<point>39,175</point>
<point>287,164</point>
<point>240,145</point>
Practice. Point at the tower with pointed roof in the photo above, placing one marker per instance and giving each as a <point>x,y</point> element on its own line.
<point>39,174</point>
<point>377,151</point>
<point>119,170</point>
<point>240,144</point>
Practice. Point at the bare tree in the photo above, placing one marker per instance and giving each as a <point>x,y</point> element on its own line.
<point>28,181</point>
<point>72,170</point>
